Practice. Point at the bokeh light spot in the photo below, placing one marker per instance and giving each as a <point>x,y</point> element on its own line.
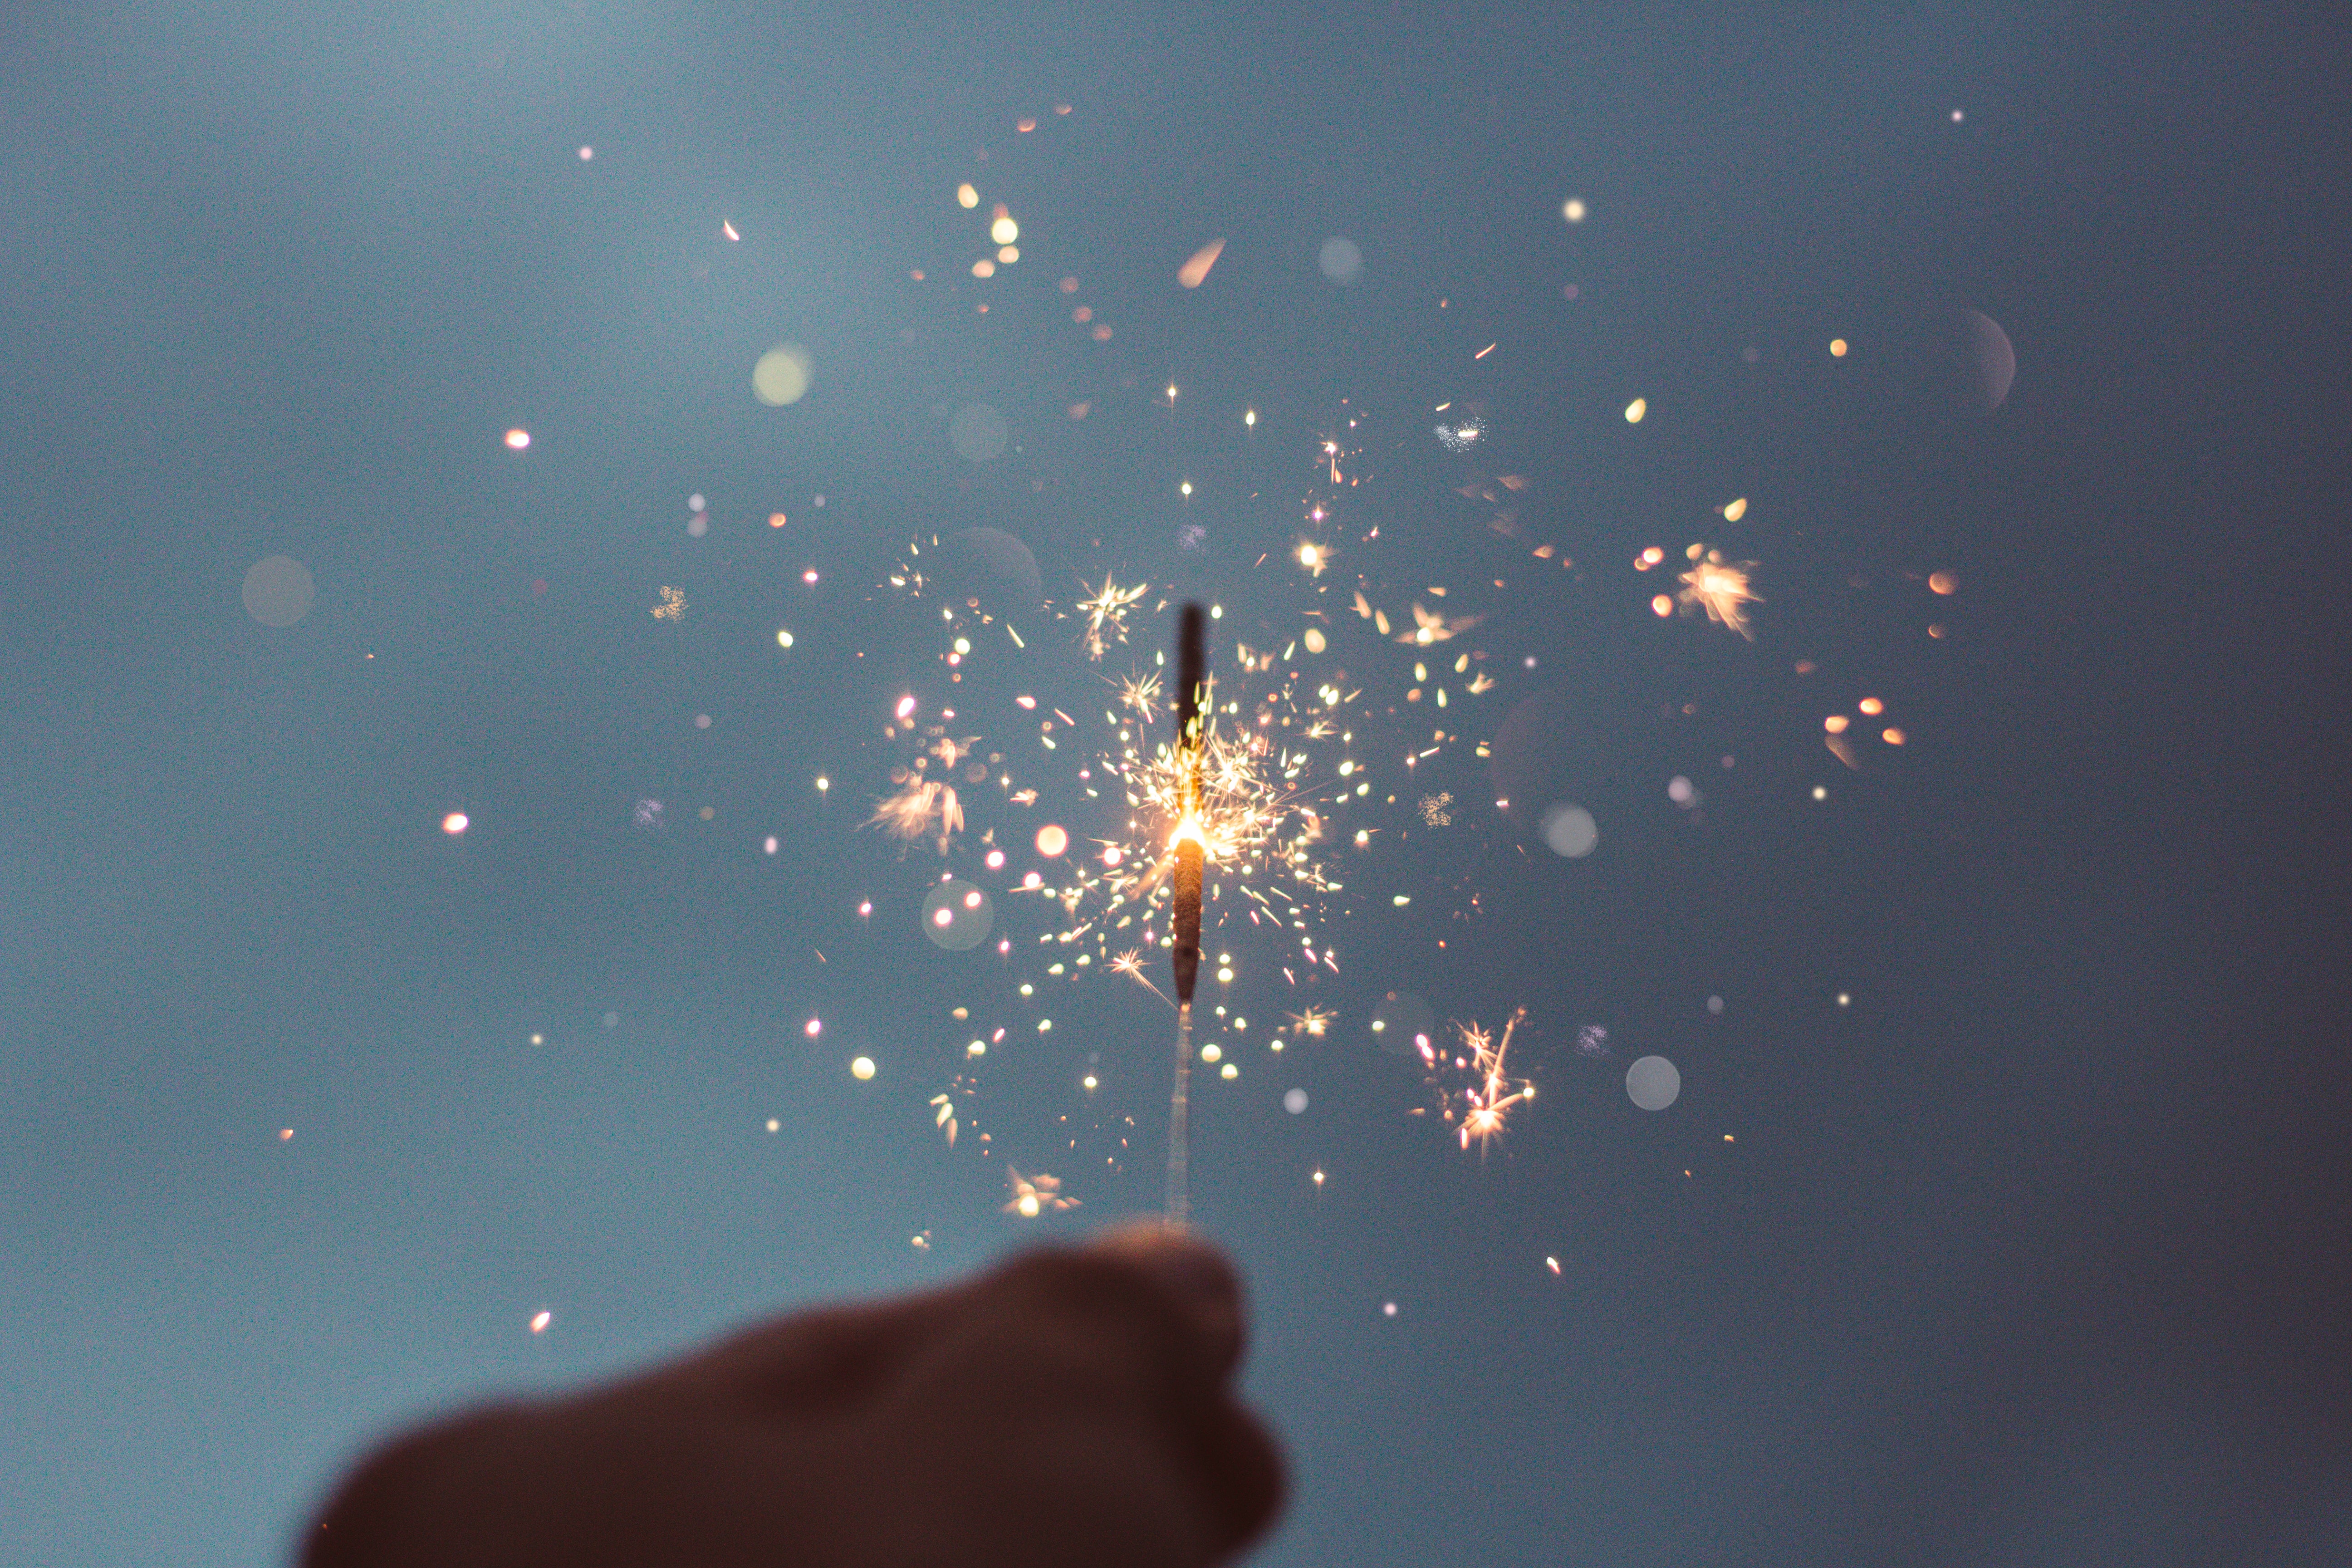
<point>1652,1083</point>
<point>978,433</point>
<point>278,590</point>
<point>1568,830</point>
<point>958,916</point>
<point>1399,1020</point>
<point>782,376</point>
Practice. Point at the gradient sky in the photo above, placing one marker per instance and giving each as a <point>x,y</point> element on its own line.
<point>2023,1257</point>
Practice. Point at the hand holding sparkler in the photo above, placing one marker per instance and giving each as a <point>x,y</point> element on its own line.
<point>1071,1407</point>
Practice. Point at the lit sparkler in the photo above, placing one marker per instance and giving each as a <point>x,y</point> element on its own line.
<point>1256,794</point>
<point>1191,849</point>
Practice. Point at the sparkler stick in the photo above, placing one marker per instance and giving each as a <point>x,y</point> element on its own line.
<point>1192,851</point>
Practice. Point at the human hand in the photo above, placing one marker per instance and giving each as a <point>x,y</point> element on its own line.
<point>1072,1406</point>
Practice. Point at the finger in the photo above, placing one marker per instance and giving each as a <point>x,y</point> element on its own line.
<point>817,1361</point>
<point>834,1355</point>
<point>1165,1316</point>
<point>1242,1481</point>
<point>1233,1461</point>
<point>1145,1328</point>
<point>1194,1274</point>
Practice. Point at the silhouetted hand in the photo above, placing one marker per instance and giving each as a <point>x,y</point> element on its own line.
<point>1073,1406</point>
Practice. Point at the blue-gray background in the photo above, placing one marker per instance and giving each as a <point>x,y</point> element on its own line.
<point>2031,1256</point>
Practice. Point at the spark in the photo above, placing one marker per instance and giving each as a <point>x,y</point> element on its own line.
<point>1432,627</point>
<point>1721,588</point>
<point>1130,963</point>
<point>1140,691</point>
<point>1462,434</point>
<point>1195,271</point>
<point>1034,1195</point>
<point>673,605</point>
<point>1310,1024</point>
<point>1471,1081</point>
<point>922,807</point>
<point>1106,615</point>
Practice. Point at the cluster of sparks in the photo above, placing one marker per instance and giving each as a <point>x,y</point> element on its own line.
<point>1282,782</point>
<point>1104,611</point>
<point>1473,1081</point>
<point>923,806</point>
<point>1721,589</point>
<point>1260,815</point>
<point>1281,762</point>
<point>1033,1195</point>
<point>1276,785</point>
